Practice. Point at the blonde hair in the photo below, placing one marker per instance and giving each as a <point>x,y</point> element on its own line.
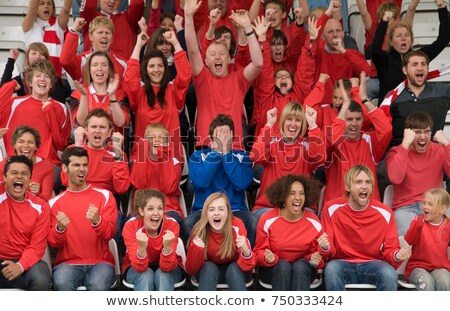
<point>155,126</point>
<point>295,110</point>
<point>398,24</point>
<point>385,7</point>
<point>440,197</point>
<point>36,46</point>
<point>353,172</point>
<point>202,228</point>
<point>101,21</point>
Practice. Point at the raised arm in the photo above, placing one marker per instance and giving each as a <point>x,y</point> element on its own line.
<point>195,58</point>
<point>364,13</point>
<point>30,18</point>
<point>64,14</point>
<point>411,11</point>
<point>251,70</point>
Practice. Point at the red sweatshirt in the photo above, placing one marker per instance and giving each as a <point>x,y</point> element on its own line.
<point>104,172</point>
<point>361,236</point>
<point>429,245</point>
<point>280,159</point>
<point>174,96</point>
<point>81,242</point>
<point>53,123</point>
<point>195,257</point>
<point>125,25</point>
<point>411,173</point>
<point>73,63</point>
<point>164,175</point>
<point>155,255</point>
<point>289,241</point>
<point>42,174</point>
<point>23,228</point>
<point>343,153</point>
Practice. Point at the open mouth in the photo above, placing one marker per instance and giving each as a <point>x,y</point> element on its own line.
<point>42,86</point>
<point>104,44</point>
<point>218,66</point>
<point>18,186</point>
<point>363,195</point>
<point>283,84</point>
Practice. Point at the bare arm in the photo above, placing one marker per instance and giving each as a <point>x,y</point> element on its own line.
<point>254,10</point>
<point>305,6</point>
<point>195,58</point>
<point>251,70</point>
<point>64,14</point>
<point>29,19</point>
<point>411,11</point>
<point>365,16</point>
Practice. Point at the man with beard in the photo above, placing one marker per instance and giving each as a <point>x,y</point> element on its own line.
<point>347,145</point>
<point>416,165</point>
<point>83,221</point>
<point>364,235</point>
<point>418,95</point>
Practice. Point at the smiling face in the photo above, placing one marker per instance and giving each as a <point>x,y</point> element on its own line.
<point>155,70</point>
<point>76,171</point>
<point>45,9</point>
<point>157,138</point>
<point>41,84</point>
<point>360,191</point>
<point>101,39</point>
<point>167,22</point>
<point>217,59</point>
<point>153,215</point>
<point>353,124</point>
<point>416,71</point>
<point>293,204</point>
<point>292,127</point>
<point>99,70</point>
<point>109,6</point>
<point>17,180</point>
<point>26,145</point>
<point>217,214</point>
<point>401,40</point>
<point>97,132</point>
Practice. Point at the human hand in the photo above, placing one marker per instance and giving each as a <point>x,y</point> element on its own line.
<point>441,138</point>
<point>171,37</point>
<point>311,117</point>
<point>197,241</point>
<point>142,25</point>
<point>241,243</point>
<point>315,259</point>
<point>3,132</point>
<point>78,24</point>
<point>113,85</point>
<point>11,270</point>
<point>214,16</point>
<point>35,187</point>
<point>271,117</point>
<point>13,53</point>
<point>323,242</point>
<point>312,28</point>
<point>63,221</point>
<point>168,239</point>
<point>190,7</point>
<point>92,214</point>
<point>142,39</point>
<point>323,77</point>
<point>178,22</point>
<point>403,253</point>
<point>78,135</point>
<point>408,138</point>
<point>260,27</point>
<point>142,239</point>
<point>269,257</point>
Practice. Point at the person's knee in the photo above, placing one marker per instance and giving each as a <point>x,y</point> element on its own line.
<point>442,281</point>
<point>388,277</point>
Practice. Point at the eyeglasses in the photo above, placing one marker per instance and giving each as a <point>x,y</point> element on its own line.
<point>420,132</point>
<point>285,76</point>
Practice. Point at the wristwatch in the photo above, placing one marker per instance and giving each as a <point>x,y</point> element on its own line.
<point>367,99</point>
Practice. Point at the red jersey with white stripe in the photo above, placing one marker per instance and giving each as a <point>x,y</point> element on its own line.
<point>429,243</point>
<point>81,242</point>
<point>23,228</point>
<point>361,236</point>
<point>155,255</point>
<point>195,256</point>
<point>288,240</point>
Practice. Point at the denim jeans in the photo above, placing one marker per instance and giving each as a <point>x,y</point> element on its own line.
<point>211,274</point>
<point>287,276</point>
<point>373,88</point>
<point>153,279</point>
<point>376,272</point>
<point>98,277</point>
<point>404,215</point>
<point>248,218</point>
<point>37,277</point>
<point>438,279</point>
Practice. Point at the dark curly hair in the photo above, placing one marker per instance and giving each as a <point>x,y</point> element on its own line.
<point>278,191</point>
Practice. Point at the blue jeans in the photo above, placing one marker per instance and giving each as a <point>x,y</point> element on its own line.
<point>98,277</point>
<point>373,88</point>
<point>377,272</point>
<point>151,280</point>
<point>37,277</point>
<point>438,279</point>
<point>287,276</point>
<point>248,218</point>
<point>404,215</point>
<point>211,274</point>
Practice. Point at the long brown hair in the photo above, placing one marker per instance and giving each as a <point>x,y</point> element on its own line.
<point>202,228</point>
<point>151,96</point>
